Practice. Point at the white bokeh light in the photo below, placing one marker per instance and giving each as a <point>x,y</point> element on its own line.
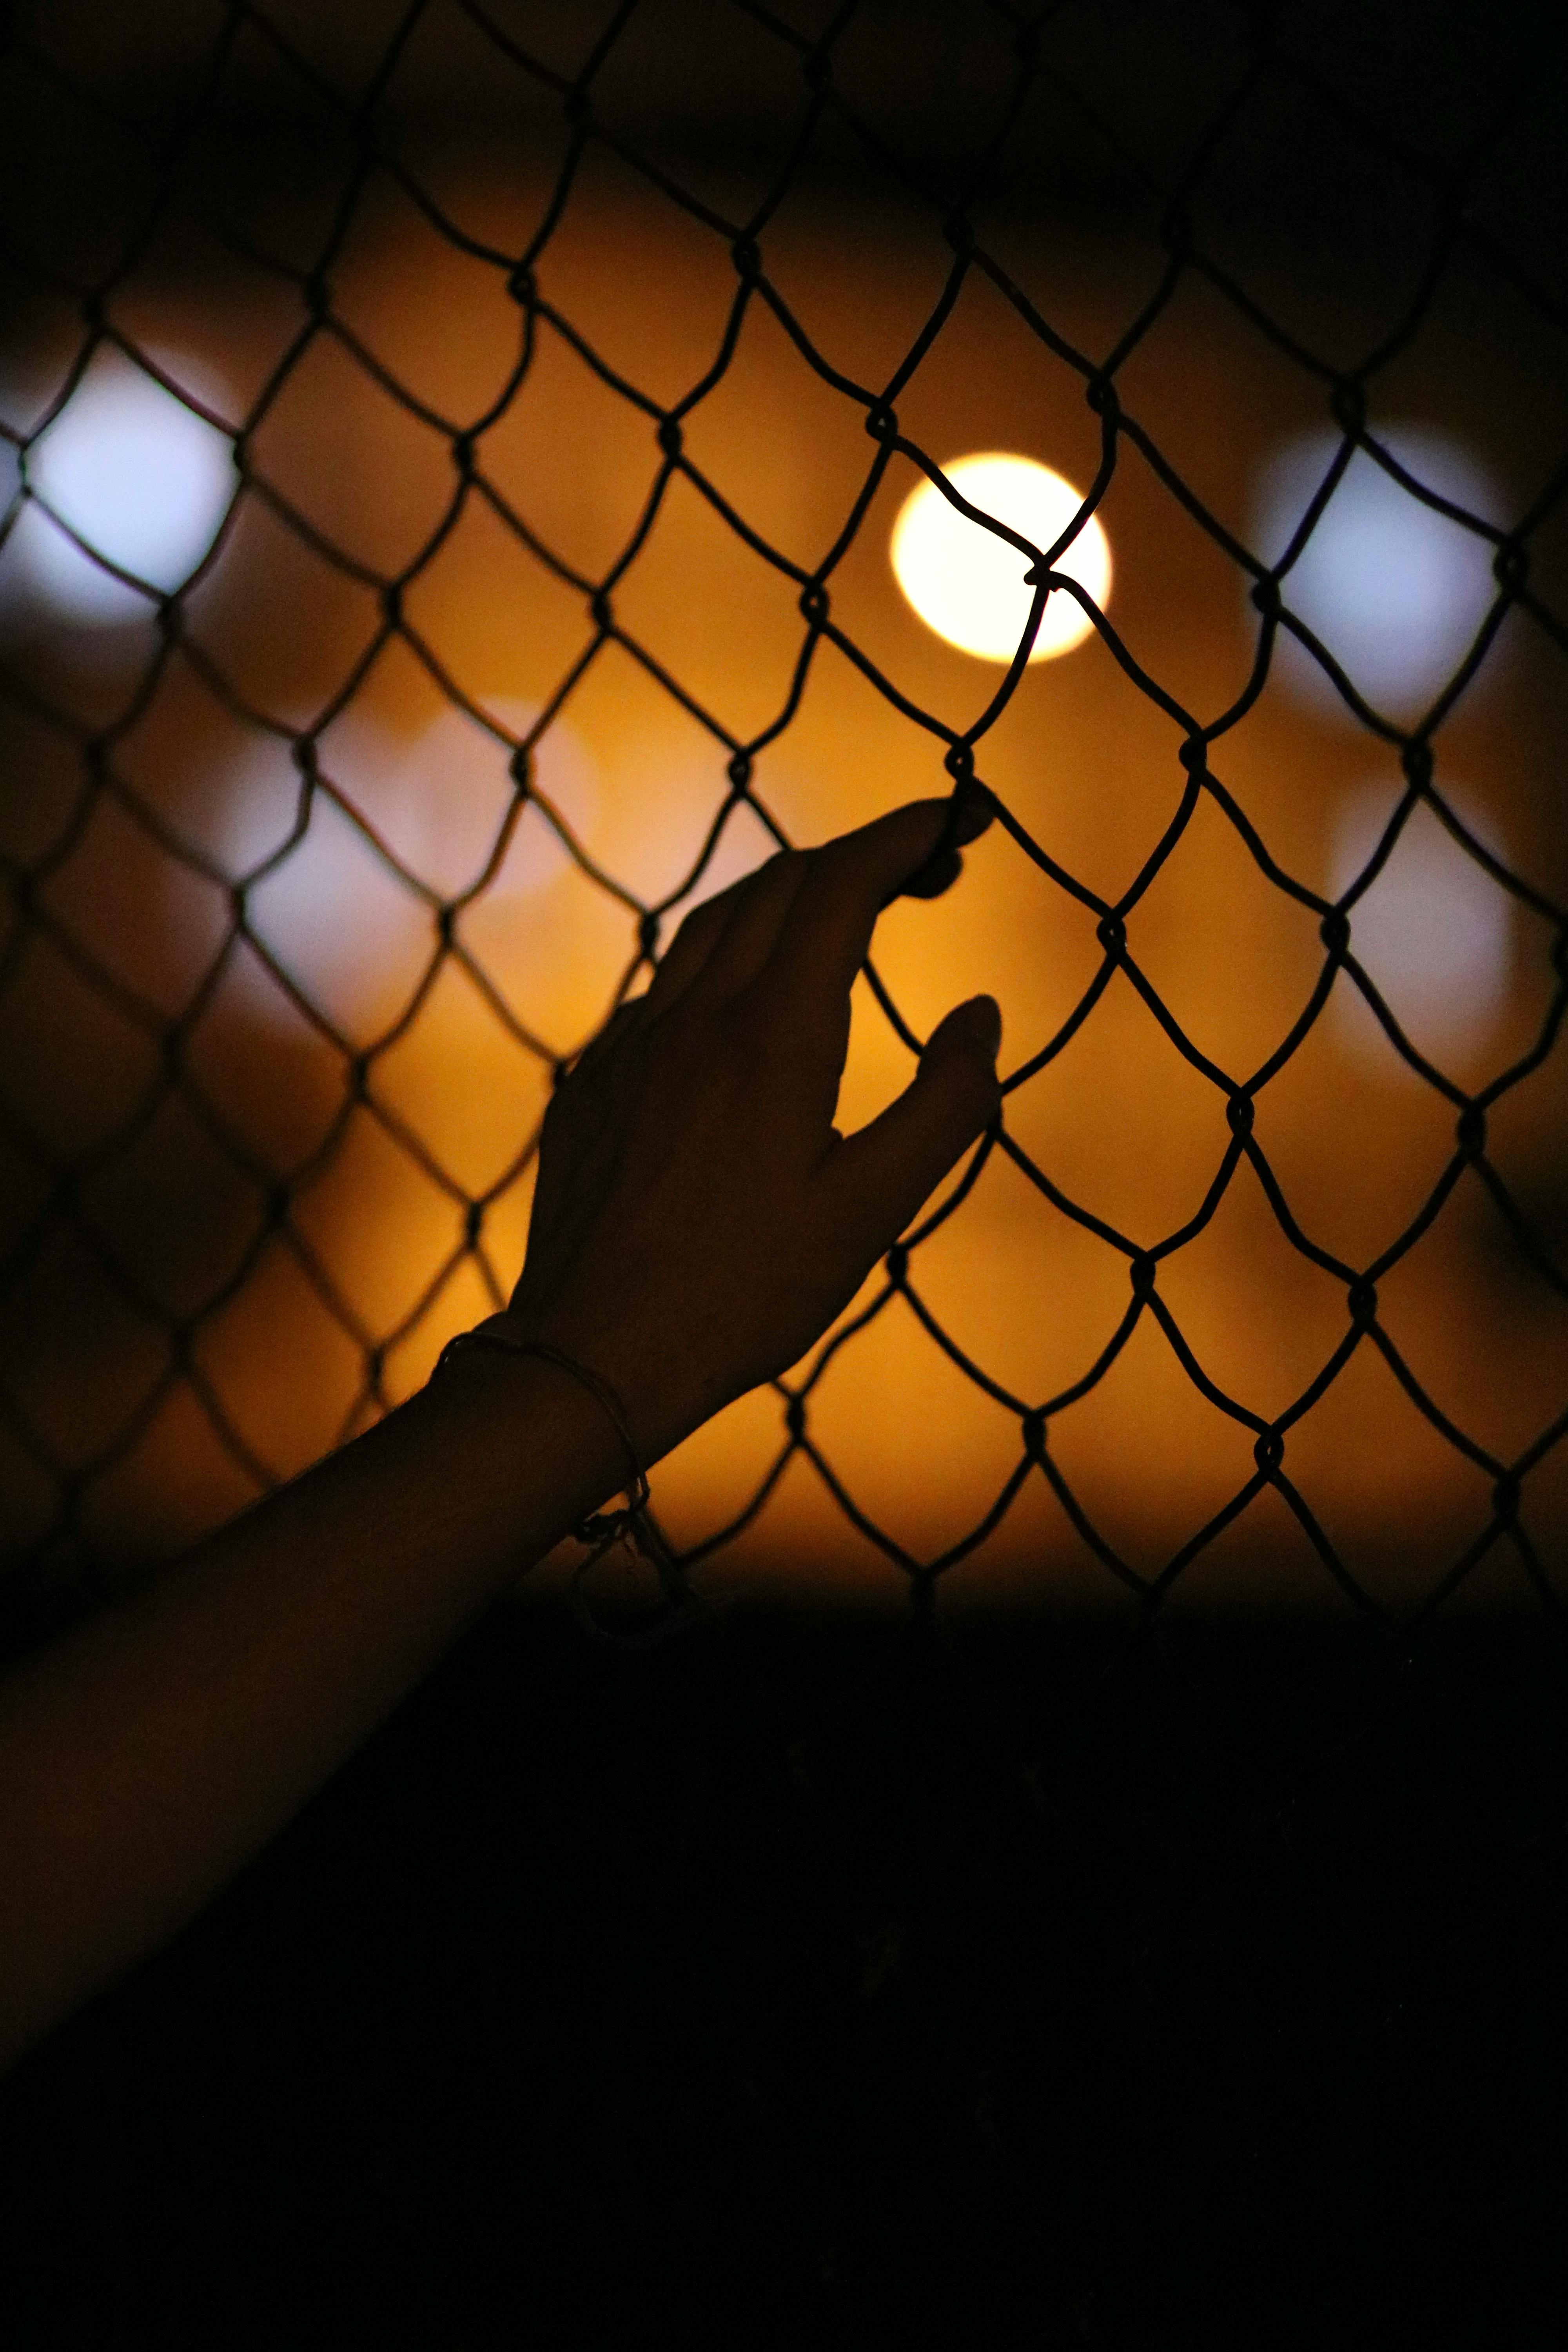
<point>1396,591</point>
<point>138,475</point>
<point>345,928</point>
<point>1434,933</point>
<point>968,585</point>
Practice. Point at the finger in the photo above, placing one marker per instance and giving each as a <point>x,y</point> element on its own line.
<point>849,881</point>
<point>690,950</point>
<point>892,1166</point>
<point>939,872</point>
<point>737,930</point>
<point>968,816</point>
<point>756,919</point>
<point>697,937</point>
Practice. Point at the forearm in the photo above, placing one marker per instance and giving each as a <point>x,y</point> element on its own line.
<point>146,1759</point>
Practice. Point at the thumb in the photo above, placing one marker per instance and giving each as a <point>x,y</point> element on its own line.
<point>891,1166</point>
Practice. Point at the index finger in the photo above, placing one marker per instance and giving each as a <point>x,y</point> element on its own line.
<point>829,931</point>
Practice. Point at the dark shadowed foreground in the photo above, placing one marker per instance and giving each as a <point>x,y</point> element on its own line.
<point>806,1982</point>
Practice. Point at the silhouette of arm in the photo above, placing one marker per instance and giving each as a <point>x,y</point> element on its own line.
<point>698,1221</point>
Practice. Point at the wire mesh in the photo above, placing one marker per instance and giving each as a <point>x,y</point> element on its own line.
<point>944,169</point>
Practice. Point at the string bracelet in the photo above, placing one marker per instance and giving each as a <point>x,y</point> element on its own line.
<point>600,1528</point>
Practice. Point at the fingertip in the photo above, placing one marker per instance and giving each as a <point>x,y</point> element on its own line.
<point>975,811</point>
<point>971,1033</point>
<point>982,1018</point>
<point>960,822</point>
<point>893,1164</point>
<point>938,873</point>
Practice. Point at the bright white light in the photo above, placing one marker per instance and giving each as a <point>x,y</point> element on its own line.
<point>968,585</point>
<point>344,926</point>
<point>1434,933</point>
<point>139,475</point>
<point>1394,590</point>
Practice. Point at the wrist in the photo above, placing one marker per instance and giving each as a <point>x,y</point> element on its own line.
<point>501,1334</point>
<point>505,1415</point>
<point>613,1357</point>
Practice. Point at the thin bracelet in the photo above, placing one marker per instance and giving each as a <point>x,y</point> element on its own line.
<point>600,1528</point>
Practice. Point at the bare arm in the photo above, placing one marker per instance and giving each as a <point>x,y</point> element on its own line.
<point>698,1222</point>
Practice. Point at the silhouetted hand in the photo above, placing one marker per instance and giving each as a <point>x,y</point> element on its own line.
<point>699,1220</point>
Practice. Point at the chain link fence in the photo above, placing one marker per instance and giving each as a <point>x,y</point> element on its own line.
<point>168,1267</point>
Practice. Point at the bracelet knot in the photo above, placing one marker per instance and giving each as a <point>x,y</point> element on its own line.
<point>599,1530</point>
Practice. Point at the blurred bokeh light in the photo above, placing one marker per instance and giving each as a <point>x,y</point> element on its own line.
<point>1434,932</point>
<point>345,889</point>
<point>1394,589</point>
<point>129,472</point>
<point>967,583</point>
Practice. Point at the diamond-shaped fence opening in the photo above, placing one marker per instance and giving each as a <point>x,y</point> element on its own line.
<point>452,457</point>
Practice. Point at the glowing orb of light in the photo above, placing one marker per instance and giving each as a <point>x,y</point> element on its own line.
<point>1394,590</point>
<point>139,475</point>
<point>1433,933</point>
<point>967,584</point>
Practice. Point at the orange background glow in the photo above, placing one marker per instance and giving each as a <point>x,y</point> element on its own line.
<point>375,1253</point>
